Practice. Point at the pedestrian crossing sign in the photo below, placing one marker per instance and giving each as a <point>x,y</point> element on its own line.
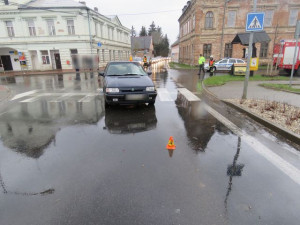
<point>255,21</point>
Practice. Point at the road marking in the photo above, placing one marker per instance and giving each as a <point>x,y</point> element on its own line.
<point>24,94</point>
<point>164,95</point>
<point>291,171</point>
<point>188,95</point>
<point>223,120</point>
<point>87,98</point>
<point>30,100</point>
<point>63,96</point>
<point>1,114</point>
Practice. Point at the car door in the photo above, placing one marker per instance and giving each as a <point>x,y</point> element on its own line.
<point>221,65</point>
<point>230,63</point>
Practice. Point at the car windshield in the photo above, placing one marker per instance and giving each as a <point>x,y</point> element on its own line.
<point>223,61</point>
<point>137,59</point>
<point>123,69</point>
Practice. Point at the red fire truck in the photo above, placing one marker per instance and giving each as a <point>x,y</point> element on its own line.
<point>284,54</point>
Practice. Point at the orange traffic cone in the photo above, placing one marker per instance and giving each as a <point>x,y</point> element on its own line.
<point>171,145</point>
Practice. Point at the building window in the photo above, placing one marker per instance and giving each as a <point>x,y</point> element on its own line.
<point>51,27</point>
<point>73,51</point>
<point>6,2</point>
<point>293,17</point>
<point>231,19</point>
<point>194,22</point>
<point>268,18</point>
<point>228,50</point>
<point>109,32</point>
<point>101,30</point>
<point>71,27</point>
<point>209,20</point>
<point>96,29</point>
<point>264,49</point>
<point>10,28</point>
<point>45,57</point>
<point>114,55</point>
<point>31,28</point>
<point>207,50</point>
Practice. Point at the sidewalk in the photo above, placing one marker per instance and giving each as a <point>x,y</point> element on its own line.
<point>5,93</point>
<point>234,90</point>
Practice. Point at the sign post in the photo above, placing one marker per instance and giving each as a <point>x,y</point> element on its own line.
<point>297,33</point>
<point>255,22</point>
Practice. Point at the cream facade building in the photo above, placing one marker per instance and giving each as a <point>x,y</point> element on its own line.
<point>45,34</point>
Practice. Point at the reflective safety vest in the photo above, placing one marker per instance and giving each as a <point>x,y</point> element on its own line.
<point>201,60</point>
<point>211,62</point>
<point>145,60</point>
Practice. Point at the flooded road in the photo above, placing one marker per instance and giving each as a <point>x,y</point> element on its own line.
<point>64,159</point>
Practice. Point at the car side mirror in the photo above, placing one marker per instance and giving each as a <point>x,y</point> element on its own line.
<point>101,74</point>
<point>149,73</point>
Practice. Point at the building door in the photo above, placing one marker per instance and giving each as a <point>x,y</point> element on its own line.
<point>57,61</point>
<point>6,62</point>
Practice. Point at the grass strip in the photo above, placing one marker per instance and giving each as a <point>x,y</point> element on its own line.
<point>281,87</point>
<point>221,80</point>
<point>174,65</point>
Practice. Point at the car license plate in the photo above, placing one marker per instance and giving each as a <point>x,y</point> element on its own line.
<point>136,97</point>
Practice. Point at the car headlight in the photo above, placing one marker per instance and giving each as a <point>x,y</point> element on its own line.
<point>150,88</point>
<point>112,90</point>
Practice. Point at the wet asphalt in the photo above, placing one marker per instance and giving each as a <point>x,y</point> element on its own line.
<point>64,159</point>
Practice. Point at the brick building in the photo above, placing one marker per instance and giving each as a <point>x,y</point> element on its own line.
<point>203,27</point>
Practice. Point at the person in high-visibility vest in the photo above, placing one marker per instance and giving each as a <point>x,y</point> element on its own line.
<point>211,65</point>
<point>145,62</point>
<point>201,62</point>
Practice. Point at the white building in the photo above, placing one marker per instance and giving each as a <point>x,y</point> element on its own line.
<point>44,34</point>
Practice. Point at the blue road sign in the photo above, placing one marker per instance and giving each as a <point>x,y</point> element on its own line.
<point>99,44</point>
<point>255,21</point>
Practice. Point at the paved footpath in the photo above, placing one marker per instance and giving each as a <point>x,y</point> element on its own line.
<point>234,89</point>
<point>4,93</point>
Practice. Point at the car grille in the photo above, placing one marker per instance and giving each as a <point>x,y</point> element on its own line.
<point>132,90</point>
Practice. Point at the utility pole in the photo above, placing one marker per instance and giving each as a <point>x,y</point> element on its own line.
<point>249,58</point>
<point>223,24</point>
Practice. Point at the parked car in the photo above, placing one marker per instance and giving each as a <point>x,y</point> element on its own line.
<point>138,59</point>
<point>224,64</point>
<point>126,83</point>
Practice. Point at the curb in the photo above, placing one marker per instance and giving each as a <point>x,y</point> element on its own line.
<point>282,131</point>
<point>208,92</point>
<point>274,127</point>
<point>298,93</point>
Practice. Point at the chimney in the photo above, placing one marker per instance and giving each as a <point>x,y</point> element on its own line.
<point>96,9</point>
<point>6,2</point>
<point>83,3</point>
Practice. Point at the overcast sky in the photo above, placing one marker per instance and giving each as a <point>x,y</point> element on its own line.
<point>147,11</point>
